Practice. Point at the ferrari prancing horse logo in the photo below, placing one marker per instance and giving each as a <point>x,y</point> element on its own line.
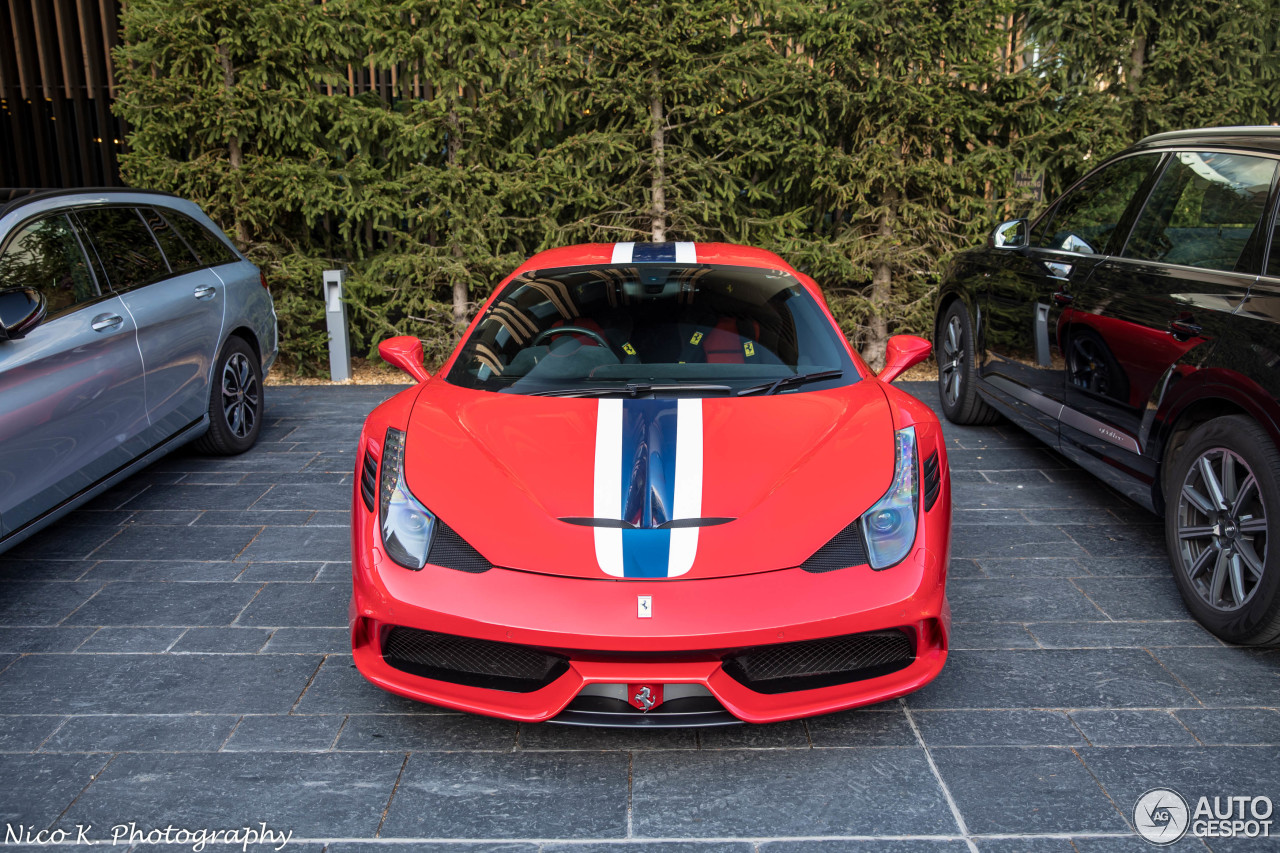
<point>644,607</point>
<point>645,697</point>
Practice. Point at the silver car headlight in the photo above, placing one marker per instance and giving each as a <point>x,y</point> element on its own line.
<point>406,524</point>
<point>889,527</point>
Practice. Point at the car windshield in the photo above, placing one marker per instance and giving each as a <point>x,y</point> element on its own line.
<point>653,330</point>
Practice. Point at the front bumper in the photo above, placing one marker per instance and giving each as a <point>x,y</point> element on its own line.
<point>696,625</point>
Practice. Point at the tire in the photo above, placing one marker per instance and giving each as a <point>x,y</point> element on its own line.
<point>235,401</point>
<point>957,375</point>
<point>1092,367</point>
<point>1228,577</point>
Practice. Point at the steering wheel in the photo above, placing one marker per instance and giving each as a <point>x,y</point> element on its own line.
<point>570,330</point>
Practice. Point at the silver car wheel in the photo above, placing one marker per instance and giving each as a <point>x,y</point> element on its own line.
<point>952,362</point>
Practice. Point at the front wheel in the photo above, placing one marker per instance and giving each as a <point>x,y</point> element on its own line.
<point>957,374</point>
<point>235,401</point>
<point>1222,499</point>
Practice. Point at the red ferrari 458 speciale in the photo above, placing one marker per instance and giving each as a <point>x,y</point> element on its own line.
<point>653,486</point>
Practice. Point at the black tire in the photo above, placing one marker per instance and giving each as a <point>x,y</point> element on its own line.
<point>957,373</point>
<point>235,401</point>
<point>1091,366</point>
<point>1217,529</point>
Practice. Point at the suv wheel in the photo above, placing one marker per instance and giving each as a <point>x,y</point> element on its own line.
<point>235,401</point>
<point>956,373</point>
<point>1222,499</point>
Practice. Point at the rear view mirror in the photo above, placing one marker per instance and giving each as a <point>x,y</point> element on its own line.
<point>901,353</point>
<point>1009,235</point>
<point>21,310</point>
<point>405,352</point>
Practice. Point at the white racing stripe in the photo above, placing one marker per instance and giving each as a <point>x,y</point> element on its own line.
<point>622,253</point>
<point>608,483</point>
<point>686,253</point>
<point>688,485</point>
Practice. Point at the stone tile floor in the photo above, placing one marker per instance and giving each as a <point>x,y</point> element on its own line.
<point>174,654</point>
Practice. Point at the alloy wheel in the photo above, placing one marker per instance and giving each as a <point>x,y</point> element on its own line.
<point>951,365</point>
<point>1222,529</point>
<point>239,395</point>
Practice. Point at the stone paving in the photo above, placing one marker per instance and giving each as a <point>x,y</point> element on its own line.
<point>175,655</point>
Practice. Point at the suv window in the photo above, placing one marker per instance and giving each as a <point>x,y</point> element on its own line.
<point>1273,266</point>
<point>46,255</point>
<point>1203,210</point>
<point>129,256</point>
<point>180,256</point>
<point>1086,217</point>
<point>211,250</point>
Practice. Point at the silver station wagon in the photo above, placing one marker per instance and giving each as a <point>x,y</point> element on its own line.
<point>128,326</point>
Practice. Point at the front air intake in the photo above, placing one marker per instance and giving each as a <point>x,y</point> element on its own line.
<point>807,665</point>
<point>932,480</point>
<point>476,663</point>
<point>369,480</point>
<point>845,549</point>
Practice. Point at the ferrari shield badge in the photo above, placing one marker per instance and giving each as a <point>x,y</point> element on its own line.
<point>646,697</point>
<point>644,607</point>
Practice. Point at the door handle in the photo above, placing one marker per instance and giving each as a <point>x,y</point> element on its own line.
<point>205,291</point>
<point>1184,329</point>
<point>105,322</point>
<point>1063,298</point>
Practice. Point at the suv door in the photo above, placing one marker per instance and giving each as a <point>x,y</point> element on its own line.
<point>72,406</point>
<point>176,301</point>
<point>1032,291</point>
<point>1155,308</point>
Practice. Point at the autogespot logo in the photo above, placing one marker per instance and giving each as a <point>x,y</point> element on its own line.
<point>1161,816</point>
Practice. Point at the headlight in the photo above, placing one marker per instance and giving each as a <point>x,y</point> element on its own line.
<point>890,526</point>
<point>406,524</point>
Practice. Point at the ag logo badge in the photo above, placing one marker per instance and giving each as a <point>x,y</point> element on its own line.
<point>1161,816</point>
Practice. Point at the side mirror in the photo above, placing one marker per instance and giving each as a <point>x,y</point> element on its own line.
<point>21,310</point>
<point>405,352</point>
<point>1009,235</point>
<point>902,352</point>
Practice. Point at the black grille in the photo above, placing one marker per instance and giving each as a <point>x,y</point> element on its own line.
<point>822,663</point>
<point>450,550</point>
<point>932,480</point>
<point>476,663</point>
<point>369,481</point>
<point>845,549</point>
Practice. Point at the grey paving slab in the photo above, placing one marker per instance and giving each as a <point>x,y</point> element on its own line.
<point>1030,567</point>
<point>793,734</point>
<point>63,542</point>
<point>878,726</point>
<point>222,640</point>
<point>979,540</point>
<point>25,733</point>
<point>1227,676</point>
<point>1133,728</point>
<point>436,847</point>
<point>826,792</point>
<point>1025,790</point>
<point>290,572</point>
<point>193,571</point>
<point>1117,635</point>
<point>315,795</point>
<point>38,603</point>
<point>164,684</point>
<point>426,733</point>
<point>253,518</point>
<point>339,688</point>
<point>1053,678</point>
<point>197,497</point>
<point>284,733</point>
<point>990,635</point>
<point>307,495</point>
<point>143,733</point>
<point>1135,598</point>
<point>43,570</point>
<point>879,845</point>
<point>180,543</point>
<point>137,603</point>
<point>38,787</point>
<point>997,728</point>
<point>514,795</point>
<point>1019,600</point>
<point>1232,726</point>
<point>131,640</point>
<point>310,641</point>
<point>43,639</point>
<point>1156,563</point>
<point>300,543</point>
<point>310,605</point>
<point>552,736</point>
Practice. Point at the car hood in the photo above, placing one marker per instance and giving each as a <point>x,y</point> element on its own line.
<point>769,479</point>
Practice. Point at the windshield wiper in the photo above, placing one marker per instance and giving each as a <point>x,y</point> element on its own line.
<point>634,389</point>
<point>791,382</point>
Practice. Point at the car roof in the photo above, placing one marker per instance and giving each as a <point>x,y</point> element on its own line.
<point>13,198</point>
<point>1260,137</point>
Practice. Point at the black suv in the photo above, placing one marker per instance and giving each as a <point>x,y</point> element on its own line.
<point>1135,327</point>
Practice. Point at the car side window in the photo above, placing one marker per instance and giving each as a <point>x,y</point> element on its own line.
<point>1086,217</point>
<point>211,250</point>
<point>180,256</point>
<point>129,256</point>
<point>46,255</point>
<point>1273,265</point>
<point>1203,210</point>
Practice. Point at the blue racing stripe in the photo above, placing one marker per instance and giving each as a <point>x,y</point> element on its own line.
<point>653,252</point>
<point>648,484</point>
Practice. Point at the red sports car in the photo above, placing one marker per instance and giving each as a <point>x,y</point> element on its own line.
<point>653,486</point>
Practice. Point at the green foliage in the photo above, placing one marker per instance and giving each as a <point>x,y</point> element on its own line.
<point>431,145</point>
